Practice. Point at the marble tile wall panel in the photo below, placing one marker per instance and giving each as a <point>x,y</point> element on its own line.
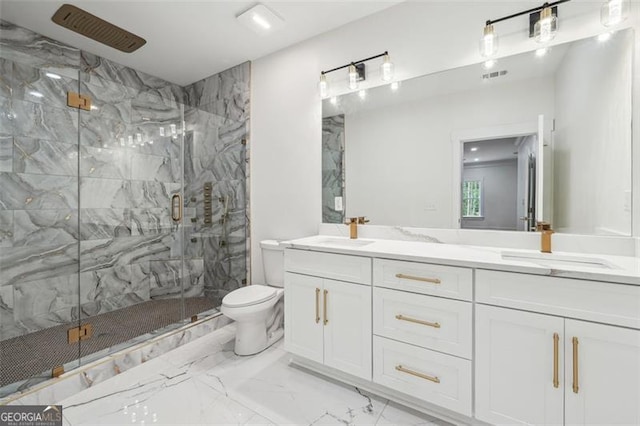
<point>42,121</point>
<point>44,157</point>
<point>151,221</point>
<point>98,224</point>
<point>57,295</point>
<point>98,193</point>
<point>22,45</point>
<point>6,77</point>
<point>155,168</point>
<point>108,289</point>
<point>6,153</point>
<point>45,228</point>
<point>37,192</point>
<point>6,228</point>
<point>165,278</point>
<point>105,163</point>
<point>38,85</point>
<point>29,263</point>
<point>101,132</point>
<point>6,312</point>
<point>332,168</point>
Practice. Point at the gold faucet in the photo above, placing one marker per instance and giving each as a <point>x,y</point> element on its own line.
<point>353,223</point>
<point>545,236</point>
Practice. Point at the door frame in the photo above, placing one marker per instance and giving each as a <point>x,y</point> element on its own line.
<point>460,137</point>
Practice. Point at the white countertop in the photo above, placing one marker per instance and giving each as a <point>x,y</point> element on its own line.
<point>617,269</point>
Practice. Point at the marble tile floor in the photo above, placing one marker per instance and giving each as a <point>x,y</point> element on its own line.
<point>204,382</point>
<point>34,354</point>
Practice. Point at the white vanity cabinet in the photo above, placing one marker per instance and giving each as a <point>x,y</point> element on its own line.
<point>534,368</point>
<point>326,320</point>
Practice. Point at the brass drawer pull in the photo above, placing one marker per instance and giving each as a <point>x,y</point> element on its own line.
<point>575,365</point>
<point>417,321</point>
<point>326,320</point>
<point>433,379</point>
<point>556,339</point>
<point>317,305</point>
<point>414,278</point>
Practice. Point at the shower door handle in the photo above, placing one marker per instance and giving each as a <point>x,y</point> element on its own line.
<point>176,208</point>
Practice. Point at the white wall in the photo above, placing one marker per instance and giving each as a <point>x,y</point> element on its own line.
<point>415,137</point>
<point>422,37</point>
<point>592,141</point>
<point>499,194</point>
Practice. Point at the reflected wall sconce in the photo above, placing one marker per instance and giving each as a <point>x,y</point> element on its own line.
<point>543,25</point>
<point>356,72</point>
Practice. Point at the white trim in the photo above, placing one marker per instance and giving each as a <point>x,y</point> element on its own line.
<point>458,137</point>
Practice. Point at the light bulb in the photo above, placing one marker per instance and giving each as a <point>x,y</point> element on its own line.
<point>489,64</point>
<point>386,69</point>
<point>545,29</point>
<point>395,86</point>
<point>489,42</point>
<point>613,12</point>
<point>324,86</point>
<point>353,77</point>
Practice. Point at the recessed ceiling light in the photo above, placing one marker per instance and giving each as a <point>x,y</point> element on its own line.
<point>474,149</point>
<point>260,20</point>
<point>476,159</point>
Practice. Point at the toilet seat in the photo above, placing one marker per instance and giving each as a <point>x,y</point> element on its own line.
<point>248,296</point>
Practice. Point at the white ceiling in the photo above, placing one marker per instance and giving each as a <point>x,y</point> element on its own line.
<point>490,150</point>
<point>189,40</point>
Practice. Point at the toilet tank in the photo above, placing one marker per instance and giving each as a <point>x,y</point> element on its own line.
<point>273,262</point>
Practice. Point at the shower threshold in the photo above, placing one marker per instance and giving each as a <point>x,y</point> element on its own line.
<point>32,356</point>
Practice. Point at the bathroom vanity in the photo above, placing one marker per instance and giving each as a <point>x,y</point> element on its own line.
<point>470,334</point>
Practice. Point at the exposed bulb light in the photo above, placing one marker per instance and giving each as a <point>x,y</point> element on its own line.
<point>353,77</point>
<point>547,26</point>
<point>489,42</point>
<point>614,12</point>
<point>489,64</point>
<point>324,86</point>
<point>604,37</point>
<point>362,94</point>
<point>261,21</point>
<point>53,76</point>
<point>395,86</point>
<point>542,52</point>
<point>386,69</point>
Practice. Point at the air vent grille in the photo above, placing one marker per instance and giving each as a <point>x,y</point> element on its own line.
<point>494,74</point>
<point>82,22</point>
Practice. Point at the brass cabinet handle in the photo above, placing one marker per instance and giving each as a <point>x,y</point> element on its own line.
<point>414,278</point>
<point>317,305</point>
<point>433,379</point>
<point>556,340</point>
<point>575,365</point>
<point>324,308</point>
<point>176,208</point>
<point>417,321</point>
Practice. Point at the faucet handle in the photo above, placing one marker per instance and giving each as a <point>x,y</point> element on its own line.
<point>543,226</point>
<point>362,220</point>
<point>351,220</point>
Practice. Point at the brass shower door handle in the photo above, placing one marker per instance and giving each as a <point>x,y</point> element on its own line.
<point>176,208</point>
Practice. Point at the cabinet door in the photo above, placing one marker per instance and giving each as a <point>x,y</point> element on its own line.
<point>518,357</point>
<point>303,328</point>
<point>607,390</point>
<point>347,334</point>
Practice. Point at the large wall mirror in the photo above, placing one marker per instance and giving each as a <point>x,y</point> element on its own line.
<point>540,136</point>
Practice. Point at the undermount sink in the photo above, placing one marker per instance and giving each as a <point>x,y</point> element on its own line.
<point>343,242</point>
<point>553,260</point>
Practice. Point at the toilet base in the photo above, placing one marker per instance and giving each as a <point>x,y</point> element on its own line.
<point>251,338</point>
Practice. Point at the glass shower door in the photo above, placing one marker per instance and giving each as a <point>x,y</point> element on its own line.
<point>131,263</point>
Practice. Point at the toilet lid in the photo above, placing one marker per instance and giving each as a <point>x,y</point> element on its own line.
<point>249,295</point>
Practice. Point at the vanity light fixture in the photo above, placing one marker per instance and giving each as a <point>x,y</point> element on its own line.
<point>614,12</point>
<point>543,25</point>
<point>356,73</point>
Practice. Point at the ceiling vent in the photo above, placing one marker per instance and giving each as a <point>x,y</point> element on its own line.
<point>494,74</point>
<point>82,22</point>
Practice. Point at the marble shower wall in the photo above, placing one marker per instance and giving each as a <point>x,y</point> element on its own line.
<point>332,168</point>
<point>84,195</point>
<point>216,151</point>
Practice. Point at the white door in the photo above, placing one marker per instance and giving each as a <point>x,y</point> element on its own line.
<point>518,358</point>
<point>303,329</point>
<point>604,386</point>
<point>347,334</point>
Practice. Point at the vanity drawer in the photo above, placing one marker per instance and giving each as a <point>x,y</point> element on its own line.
<point>597,301</point>
<point>437,280</point>
<point>328,265</point>
<point>430,322</point>
<point>427,375</point>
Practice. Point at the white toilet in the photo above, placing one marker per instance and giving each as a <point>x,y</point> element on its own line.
<point>258,310</point>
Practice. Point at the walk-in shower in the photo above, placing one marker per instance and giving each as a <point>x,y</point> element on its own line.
<point>91,154</point>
